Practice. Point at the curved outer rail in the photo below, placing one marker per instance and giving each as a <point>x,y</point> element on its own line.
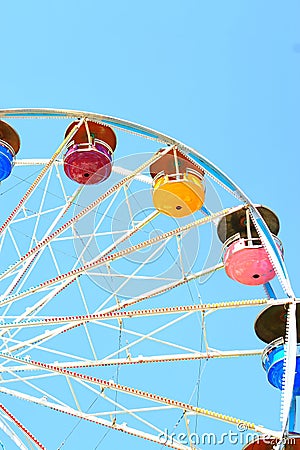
<point>207,165</point>
<point>221,178</point>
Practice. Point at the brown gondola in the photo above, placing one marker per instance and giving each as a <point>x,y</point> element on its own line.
<point>268,443</point>
<point>270,324</point>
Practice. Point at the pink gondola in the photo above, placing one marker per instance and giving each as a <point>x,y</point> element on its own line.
<point>88,159</point>
<point>245,258</point>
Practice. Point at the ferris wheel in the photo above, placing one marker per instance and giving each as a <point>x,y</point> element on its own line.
<point>118,245</point>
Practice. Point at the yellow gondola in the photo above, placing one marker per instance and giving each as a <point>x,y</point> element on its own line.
<point>178,185</point>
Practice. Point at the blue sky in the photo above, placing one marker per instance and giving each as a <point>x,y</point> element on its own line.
<point>221,76</point>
